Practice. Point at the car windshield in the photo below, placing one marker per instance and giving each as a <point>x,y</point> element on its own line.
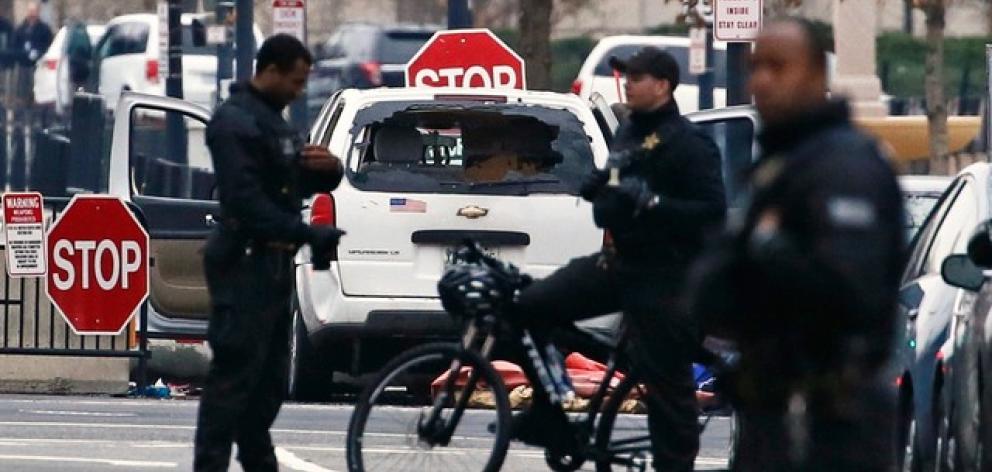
<point>918,206</point>
<point>681,55</point>
<point>397,47</point>
<point>436,147</point>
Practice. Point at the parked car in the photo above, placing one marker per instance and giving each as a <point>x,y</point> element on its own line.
<point>933,422</point>
<point>920,195</point>
<point>596,75</point>
<point>971,420</point>
<point>363,55</point>
<point>53,87</point>
<point>127,58</point>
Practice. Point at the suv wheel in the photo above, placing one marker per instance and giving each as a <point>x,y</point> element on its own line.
<point>307,381</point>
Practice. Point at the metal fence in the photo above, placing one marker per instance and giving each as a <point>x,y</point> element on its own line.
<point>33,325</point>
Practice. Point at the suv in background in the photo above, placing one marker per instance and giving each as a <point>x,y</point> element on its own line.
<point>128,53</point>
<point>362,55</point>
<point>596,75</point>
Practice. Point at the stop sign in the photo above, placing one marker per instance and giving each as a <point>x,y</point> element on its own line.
<point>98,264</point>
<point>466,58</point>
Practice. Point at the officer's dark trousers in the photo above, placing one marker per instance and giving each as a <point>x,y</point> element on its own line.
<point>835,426</point>
<point>663,340</point>
<point>249,336</point>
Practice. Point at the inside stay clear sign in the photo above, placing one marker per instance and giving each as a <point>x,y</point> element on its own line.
<point>737,20</point>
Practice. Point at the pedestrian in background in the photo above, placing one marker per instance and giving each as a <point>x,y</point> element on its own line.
<point>31,40</point>
<point>808,285</point>
<point>263,171</point>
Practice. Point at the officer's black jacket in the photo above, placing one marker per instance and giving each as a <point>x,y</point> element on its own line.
<point>824,284</point>
<point>682,165</point>
<point>256,156</point>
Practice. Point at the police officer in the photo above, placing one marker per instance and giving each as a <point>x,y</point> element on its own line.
<point>666,188</point>
<point>808,285</point>
<point>263,170</point>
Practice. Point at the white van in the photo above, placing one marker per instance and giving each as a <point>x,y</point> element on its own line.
<point>596,75</point>
<point>127,58</point>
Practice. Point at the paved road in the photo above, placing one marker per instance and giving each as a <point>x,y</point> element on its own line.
<point>68,434</point>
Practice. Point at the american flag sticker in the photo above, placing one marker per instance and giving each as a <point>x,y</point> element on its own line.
<point>407,205</point>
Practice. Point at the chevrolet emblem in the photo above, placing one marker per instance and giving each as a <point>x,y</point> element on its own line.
<point>472,212</point>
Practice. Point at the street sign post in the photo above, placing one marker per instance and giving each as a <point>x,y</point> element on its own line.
<point>737,20</point>
<point>98,264</point>
<point>24,229</point>
<point>466,58</point>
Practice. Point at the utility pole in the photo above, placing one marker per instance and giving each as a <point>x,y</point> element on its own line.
<point>459,16</point>
<point>244,36</point>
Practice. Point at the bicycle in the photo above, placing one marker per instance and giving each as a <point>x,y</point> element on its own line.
<point>467,377</point>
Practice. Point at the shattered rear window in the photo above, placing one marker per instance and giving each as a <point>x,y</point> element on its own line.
<point>478,148</point>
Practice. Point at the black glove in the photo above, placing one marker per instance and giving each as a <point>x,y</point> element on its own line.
<point>593,183</point>
<point>323,241</point>
<point>616,208</point>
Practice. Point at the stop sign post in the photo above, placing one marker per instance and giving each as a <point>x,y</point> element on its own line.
<point>466,58</point>
<point>97,264</point>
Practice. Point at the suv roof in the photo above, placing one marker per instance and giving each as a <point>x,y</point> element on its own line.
<point>421,93</point>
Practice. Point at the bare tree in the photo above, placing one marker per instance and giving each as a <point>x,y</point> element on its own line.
<point>535,41</point>
<point>934,11</point>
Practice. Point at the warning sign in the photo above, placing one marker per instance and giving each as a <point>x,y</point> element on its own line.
<point>737,20</point>
<point>289,17</point>
<point>24,227</point>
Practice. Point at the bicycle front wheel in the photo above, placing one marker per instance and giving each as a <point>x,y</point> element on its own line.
<point>623,441</point>
<point>435,407</point>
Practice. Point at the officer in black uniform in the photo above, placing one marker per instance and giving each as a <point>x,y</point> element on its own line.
<point>808,285</point>
<point>263,171</point>
<point>665,190</point>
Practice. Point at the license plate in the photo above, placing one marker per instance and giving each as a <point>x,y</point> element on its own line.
<point>449,254</point>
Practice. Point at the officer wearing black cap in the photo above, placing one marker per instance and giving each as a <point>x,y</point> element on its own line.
<point>662,190</point>
<point>263,171</point>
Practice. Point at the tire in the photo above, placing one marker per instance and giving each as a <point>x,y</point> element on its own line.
<point>307,380</point>
<point>906,443</point>
<point>966,419</point>
<point>395,428</point>
<point>634,433</point>
<point>943,454</point>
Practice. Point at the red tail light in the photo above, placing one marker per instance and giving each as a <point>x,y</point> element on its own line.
<point>577,86</point>
<point>151,70</point>
<point>322,211</point>
<point>607,239</point>
<point>373,72</point>
<point>51,64</point>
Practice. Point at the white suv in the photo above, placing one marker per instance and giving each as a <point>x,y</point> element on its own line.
<point>596,75</point>
<point>425,169</point>
<point>128,53</point>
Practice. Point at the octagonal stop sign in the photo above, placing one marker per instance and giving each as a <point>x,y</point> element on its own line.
<point>466,58</point>
<point>97,264</point>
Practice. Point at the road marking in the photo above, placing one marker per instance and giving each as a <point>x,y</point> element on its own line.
<point>79,413</point>
<point>86,460</point>
<point>290,460</point>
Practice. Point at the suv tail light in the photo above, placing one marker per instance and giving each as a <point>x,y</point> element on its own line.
<point>322,211</point>
<point>607,239</point>
<point>51,64</point>
<point>373,72</point>
<point>577,86</point>
<point>151,70</point>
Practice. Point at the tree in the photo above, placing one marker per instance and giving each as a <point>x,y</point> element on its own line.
<point>934,11</point>
<point>535,42</point>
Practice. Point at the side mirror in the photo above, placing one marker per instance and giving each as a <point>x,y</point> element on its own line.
<point>959,271</point>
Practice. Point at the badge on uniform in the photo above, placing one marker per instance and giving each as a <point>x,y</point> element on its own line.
<point>651,141</point>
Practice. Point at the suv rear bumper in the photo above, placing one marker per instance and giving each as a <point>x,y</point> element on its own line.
<point>383,324</point>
